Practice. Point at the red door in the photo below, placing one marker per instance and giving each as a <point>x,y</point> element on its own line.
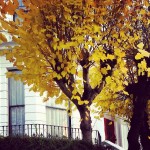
<point>109,130</point>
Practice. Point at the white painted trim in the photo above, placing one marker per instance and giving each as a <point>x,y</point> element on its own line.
<point>115,145</point>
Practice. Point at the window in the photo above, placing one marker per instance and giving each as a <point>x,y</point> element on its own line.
<point>20,3</point>
<point>56,119</point>
<point>56,116</point>
<point>16,106</point>
<point>21,6</point>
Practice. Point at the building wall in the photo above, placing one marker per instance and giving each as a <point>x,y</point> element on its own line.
<point>3,93</point>
<point>35,111</point>
<point>124,133</point>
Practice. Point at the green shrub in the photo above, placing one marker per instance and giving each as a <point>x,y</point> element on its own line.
<point>33,143</point>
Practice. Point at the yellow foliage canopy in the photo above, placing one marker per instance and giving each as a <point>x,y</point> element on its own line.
<point>79,47</point>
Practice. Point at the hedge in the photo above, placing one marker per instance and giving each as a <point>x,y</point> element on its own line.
<point>34,143</point>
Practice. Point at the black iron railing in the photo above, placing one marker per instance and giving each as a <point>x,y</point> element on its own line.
<point>46,131</point>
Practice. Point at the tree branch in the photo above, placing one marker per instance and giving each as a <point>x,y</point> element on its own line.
<point>63,88</point>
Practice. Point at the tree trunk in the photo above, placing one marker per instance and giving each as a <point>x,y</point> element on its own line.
<point>139,125</point>
<point>145,133</point>
<point>136,123</point>
<point>85,124</point>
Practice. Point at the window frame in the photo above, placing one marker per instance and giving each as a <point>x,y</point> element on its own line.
<point>14,106</point>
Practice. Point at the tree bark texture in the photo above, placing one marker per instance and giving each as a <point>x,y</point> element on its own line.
<point>145,133</point>
<point>136,123</point>
<point>139,128</point>
<point>85,124</point>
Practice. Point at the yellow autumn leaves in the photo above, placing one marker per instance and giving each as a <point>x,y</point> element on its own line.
<point>57,40</point>
<point>141,55</point>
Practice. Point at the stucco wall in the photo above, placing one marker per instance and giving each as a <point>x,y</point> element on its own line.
<point>3,92</point>
<point>35,111</point>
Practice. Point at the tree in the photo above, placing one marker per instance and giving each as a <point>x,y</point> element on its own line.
<point>139,86</point>
<point>81,48</point>
<point>62,46</point>
<point>137,49</point>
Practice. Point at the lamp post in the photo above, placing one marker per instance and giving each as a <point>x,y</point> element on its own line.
<point>69,122</point>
